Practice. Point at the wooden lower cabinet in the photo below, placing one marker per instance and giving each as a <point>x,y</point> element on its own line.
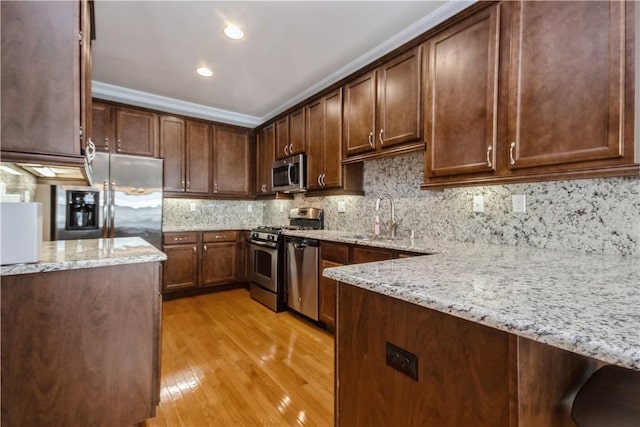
<point>81,347</point>
<point>327,296</point>
<point>466,374</point>
<point>360,255</point>
<point>201,259</point>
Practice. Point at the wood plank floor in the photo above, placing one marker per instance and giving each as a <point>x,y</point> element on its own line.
<point>229,361</point>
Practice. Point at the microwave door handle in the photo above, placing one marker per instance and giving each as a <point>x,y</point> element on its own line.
<point>290,169</point>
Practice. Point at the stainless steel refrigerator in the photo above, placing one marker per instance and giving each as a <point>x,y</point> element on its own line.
<point>125,200</point>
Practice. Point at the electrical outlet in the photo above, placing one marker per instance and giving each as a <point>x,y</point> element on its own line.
<point>519,203</point>
<point>192,207</point>
<point>478,203</point>
<point>342,207</point>
<point>402,360</point>
<point>281,208</point>
<point>249,208</point>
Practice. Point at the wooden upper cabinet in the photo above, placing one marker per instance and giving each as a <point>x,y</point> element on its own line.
<point>297,132</point>
<point>382,109</point>
<point>40,78</point>
<point>232,158</point>
<point>136,132</point>
<point>315,143</point>
<point>172,142</point>
<point>332,172</point>
<point>103,126</point>
<point>567,83</point>
<point>282,138</point>
<point>462,93</point>
<point>198,155</point>
<point>265,159</point>
<point>290,134</point>
<point>359,115</point>
<point>398,112</point>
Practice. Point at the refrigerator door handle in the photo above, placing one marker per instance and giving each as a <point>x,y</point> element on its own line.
<point>112,207</point>
<point>105,209</point>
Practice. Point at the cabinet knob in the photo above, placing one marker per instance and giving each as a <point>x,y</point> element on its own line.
<point>511,148</point>
<point>215,187</point>
<point>106,144</point>
<point>194,249</point>
<point>380,136</point>
<point>119,147</point>
<point>489,149</point>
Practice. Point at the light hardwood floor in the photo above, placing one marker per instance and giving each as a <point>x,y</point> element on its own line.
<point>229,361</point>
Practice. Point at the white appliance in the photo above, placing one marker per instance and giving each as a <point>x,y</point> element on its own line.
<point>20,232</point>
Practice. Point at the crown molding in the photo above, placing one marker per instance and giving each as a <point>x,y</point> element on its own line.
<point>138,98</point>
<point>429,21</point>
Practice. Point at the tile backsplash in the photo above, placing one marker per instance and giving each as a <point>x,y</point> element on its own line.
<point>199,214</point>
<point>592,216</point>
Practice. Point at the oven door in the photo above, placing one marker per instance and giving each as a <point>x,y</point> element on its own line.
<point>264,265</point>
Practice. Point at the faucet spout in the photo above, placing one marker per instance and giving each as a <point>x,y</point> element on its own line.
<point>394,224</point>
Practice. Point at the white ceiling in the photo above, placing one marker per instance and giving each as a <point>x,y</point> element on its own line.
<point>146,52</point>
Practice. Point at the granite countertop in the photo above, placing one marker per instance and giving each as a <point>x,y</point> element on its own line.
<point>76,254</point>
<point>183,229</point>
<point>587,304</point>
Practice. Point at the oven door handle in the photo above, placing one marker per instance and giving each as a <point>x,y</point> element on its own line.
<point>268,245</point>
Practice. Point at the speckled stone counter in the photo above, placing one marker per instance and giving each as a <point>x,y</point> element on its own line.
<point>587,304</point>
<point>76,254</point>
<point>181,229</point>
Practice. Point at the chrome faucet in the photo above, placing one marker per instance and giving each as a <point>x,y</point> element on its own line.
<point>393,225</point>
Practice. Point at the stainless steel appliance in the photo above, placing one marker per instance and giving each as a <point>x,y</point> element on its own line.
<point>125,200</point>
<point>268,254</point>
<point>302,275</point>
<point>289,175</point>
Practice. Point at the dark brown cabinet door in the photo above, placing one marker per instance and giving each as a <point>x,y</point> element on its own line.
<point>136,132</point>
<point>265,158</point>
<point>102,126</point>
<point>332,174</point>
<point>567,82</point>
<point>231,161</point>
<point>360,115</point>
<point>40,99</point>
<point>181,267</point>
<point>219,261</point>
<point>327,296</point>
<point>461,106</point>
<point>315,144</point>
<point>282,138</point>
<point>198,154</point>
<point>398,95</point>
<point>172,133</point>
<point>360,255</point>
<point>297,132</point>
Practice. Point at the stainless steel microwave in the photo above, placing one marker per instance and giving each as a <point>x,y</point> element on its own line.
<point>289,175</point>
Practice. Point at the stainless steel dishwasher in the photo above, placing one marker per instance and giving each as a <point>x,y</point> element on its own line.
<point>302,275</point>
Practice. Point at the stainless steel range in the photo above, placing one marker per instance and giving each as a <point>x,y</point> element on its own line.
<point>268,275</point>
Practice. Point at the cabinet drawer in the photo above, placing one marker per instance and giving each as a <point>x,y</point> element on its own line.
<point>179,238</point>
<point>219,236</point>
<point>334,252</point>
<point>361,255</point>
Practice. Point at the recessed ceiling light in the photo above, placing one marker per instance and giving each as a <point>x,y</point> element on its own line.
<point>204,71</point>
<point>233,32</point>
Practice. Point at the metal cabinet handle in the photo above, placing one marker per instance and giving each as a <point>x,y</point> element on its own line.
<point>319,180</point>
<point>105,210</point>
<point>489,149</point>
<point>112,228</point>
<point>106,144</point>
<point>371,139</point>
<point>188,185</point>
<point>380,136</point>
<point>91,151</point>
<point>119,147</point>
<point>286,150</point>
<point>290,148</point>
<point>194,249</point>
<point>511,159</point>
<point>205,249</point>
<point>322,178</point>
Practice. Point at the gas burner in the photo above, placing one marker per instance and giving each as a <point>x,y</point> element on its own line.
<point>297,227</point>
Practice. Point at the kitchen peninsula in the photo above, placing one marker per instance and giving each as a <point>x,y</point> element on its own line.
<point>519,328</point>
<point>81,334</point>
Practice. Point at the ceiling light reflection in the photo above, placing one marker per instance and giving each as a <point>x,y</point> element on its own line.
<point>233,32</point>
